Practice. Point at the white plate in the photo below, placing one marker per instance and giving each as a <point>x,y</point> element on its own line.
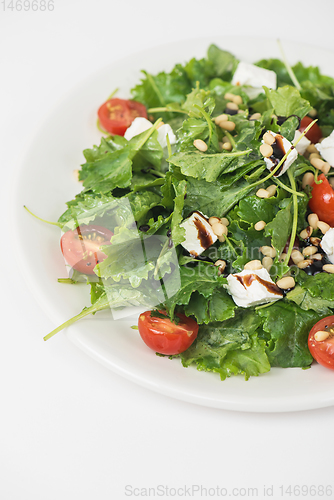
<point>45,182</point>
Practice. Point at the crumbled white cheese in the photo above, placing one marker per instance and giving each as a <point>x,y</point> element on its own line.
<point>254,76</point>
<point>326,149</point>
<point>199,234</point>
<point>250,288</point>
<point>141,124</point>
<point>327,244</point>
<point>290,159</point>
<point>302,144</point>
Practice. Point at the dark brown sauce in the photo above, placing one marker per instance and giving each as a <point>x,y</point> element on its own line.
<point>278,153</point>
<point>204,236</point>
<point>248,279</point>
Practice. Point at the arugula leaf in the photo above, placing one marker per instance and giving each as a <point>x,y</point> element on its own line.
<point>280,228</point>
<point>319,285</point>
<point>204,166</point>
<point>230,347</point>
<point>287,101</point>
<point>288,326</point>
<point>224,62</point>
<point>219,307</point>
<point>203,278</point>
<point>304,300</point>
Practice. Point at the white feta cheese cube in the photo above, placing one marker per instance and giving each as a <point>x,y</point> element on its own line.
<point>326,149</point>
<point>281,145</point>
<point>250,288</point>
<point>199,234</point>
<point>302,144</point>
<point>249,74</point>
<point>327,244</point>
<point>163,131</point>
<point>141,124</point>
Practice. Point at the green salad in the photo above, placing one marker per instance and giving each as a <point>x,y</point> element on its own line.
<point>197,206</point>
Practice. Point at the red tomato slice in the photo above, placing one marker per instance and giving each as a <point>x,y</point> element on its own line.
<point>322,201</point>
<point>314,134</point>
<point>116,115</point>
<point>81,247</point>
<point>323,350</point>
<point>164,336</point>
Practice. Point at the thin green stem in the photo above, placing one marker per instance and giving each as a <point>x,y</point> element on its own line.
<point>295,219</point>
<point>286,188</point>
<point>43,220</point>
<point>288,67</point>
<point>158,174</point>
<point>113,93</point>
<point>98,306</point>
<point>98,125</point>
<point>167,109</point>
<point>230,138</point>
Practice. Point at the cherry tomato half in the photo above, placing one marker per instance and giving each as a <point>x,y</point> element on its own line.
<point>116,115</point>
<point>81,247</point>
<point>322,201</point>
<point>314,134</point>
<point>323,350</point>
<point>164,336</point>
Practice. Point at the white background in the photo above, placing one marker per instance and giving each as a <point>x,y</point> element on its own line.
<point>69,428</point>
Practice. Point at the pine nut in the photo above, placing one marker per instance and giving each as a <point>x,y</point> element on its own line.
<point>308,179</point>
<point>312,149</point>
<point>220,118</point>
<point>313,113</point>
<point>296,256</point>
<point>218,228</point>
<point>314,155</point>
<point>282,257</point>
<point>315,241</point>
<point>306,233</point>
<point>268,138</point>
<point>316,256</point>
<point>268,251</point>
<point>323,226</point>
<point>224,221</point>
<point>266,150</point>
<point>321,335</point>
<point>272,190</point>
<point>331,181</point>
<point>286,283</point>
<point>227,146</point>
<point>221,264</point>
<point>313,220</point>
<point>237,99</point>
<point>255,116</point>
<point>200,145</point>
<point>226,125</point>
<point>267,262</point>
<point>317,163</point>
<point>329,268</point>
<point>304,263</point>
<point>262,193</point>
<point>221,238</point>
<point>241,111</point>
<point>160,125</point>
<point>214,220</point>
<point>232,106</point>
<point>326,168</point>
<point>260,225</point>
<point>229,96</point>
<point>308,251</point>
<point>253,265</point>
